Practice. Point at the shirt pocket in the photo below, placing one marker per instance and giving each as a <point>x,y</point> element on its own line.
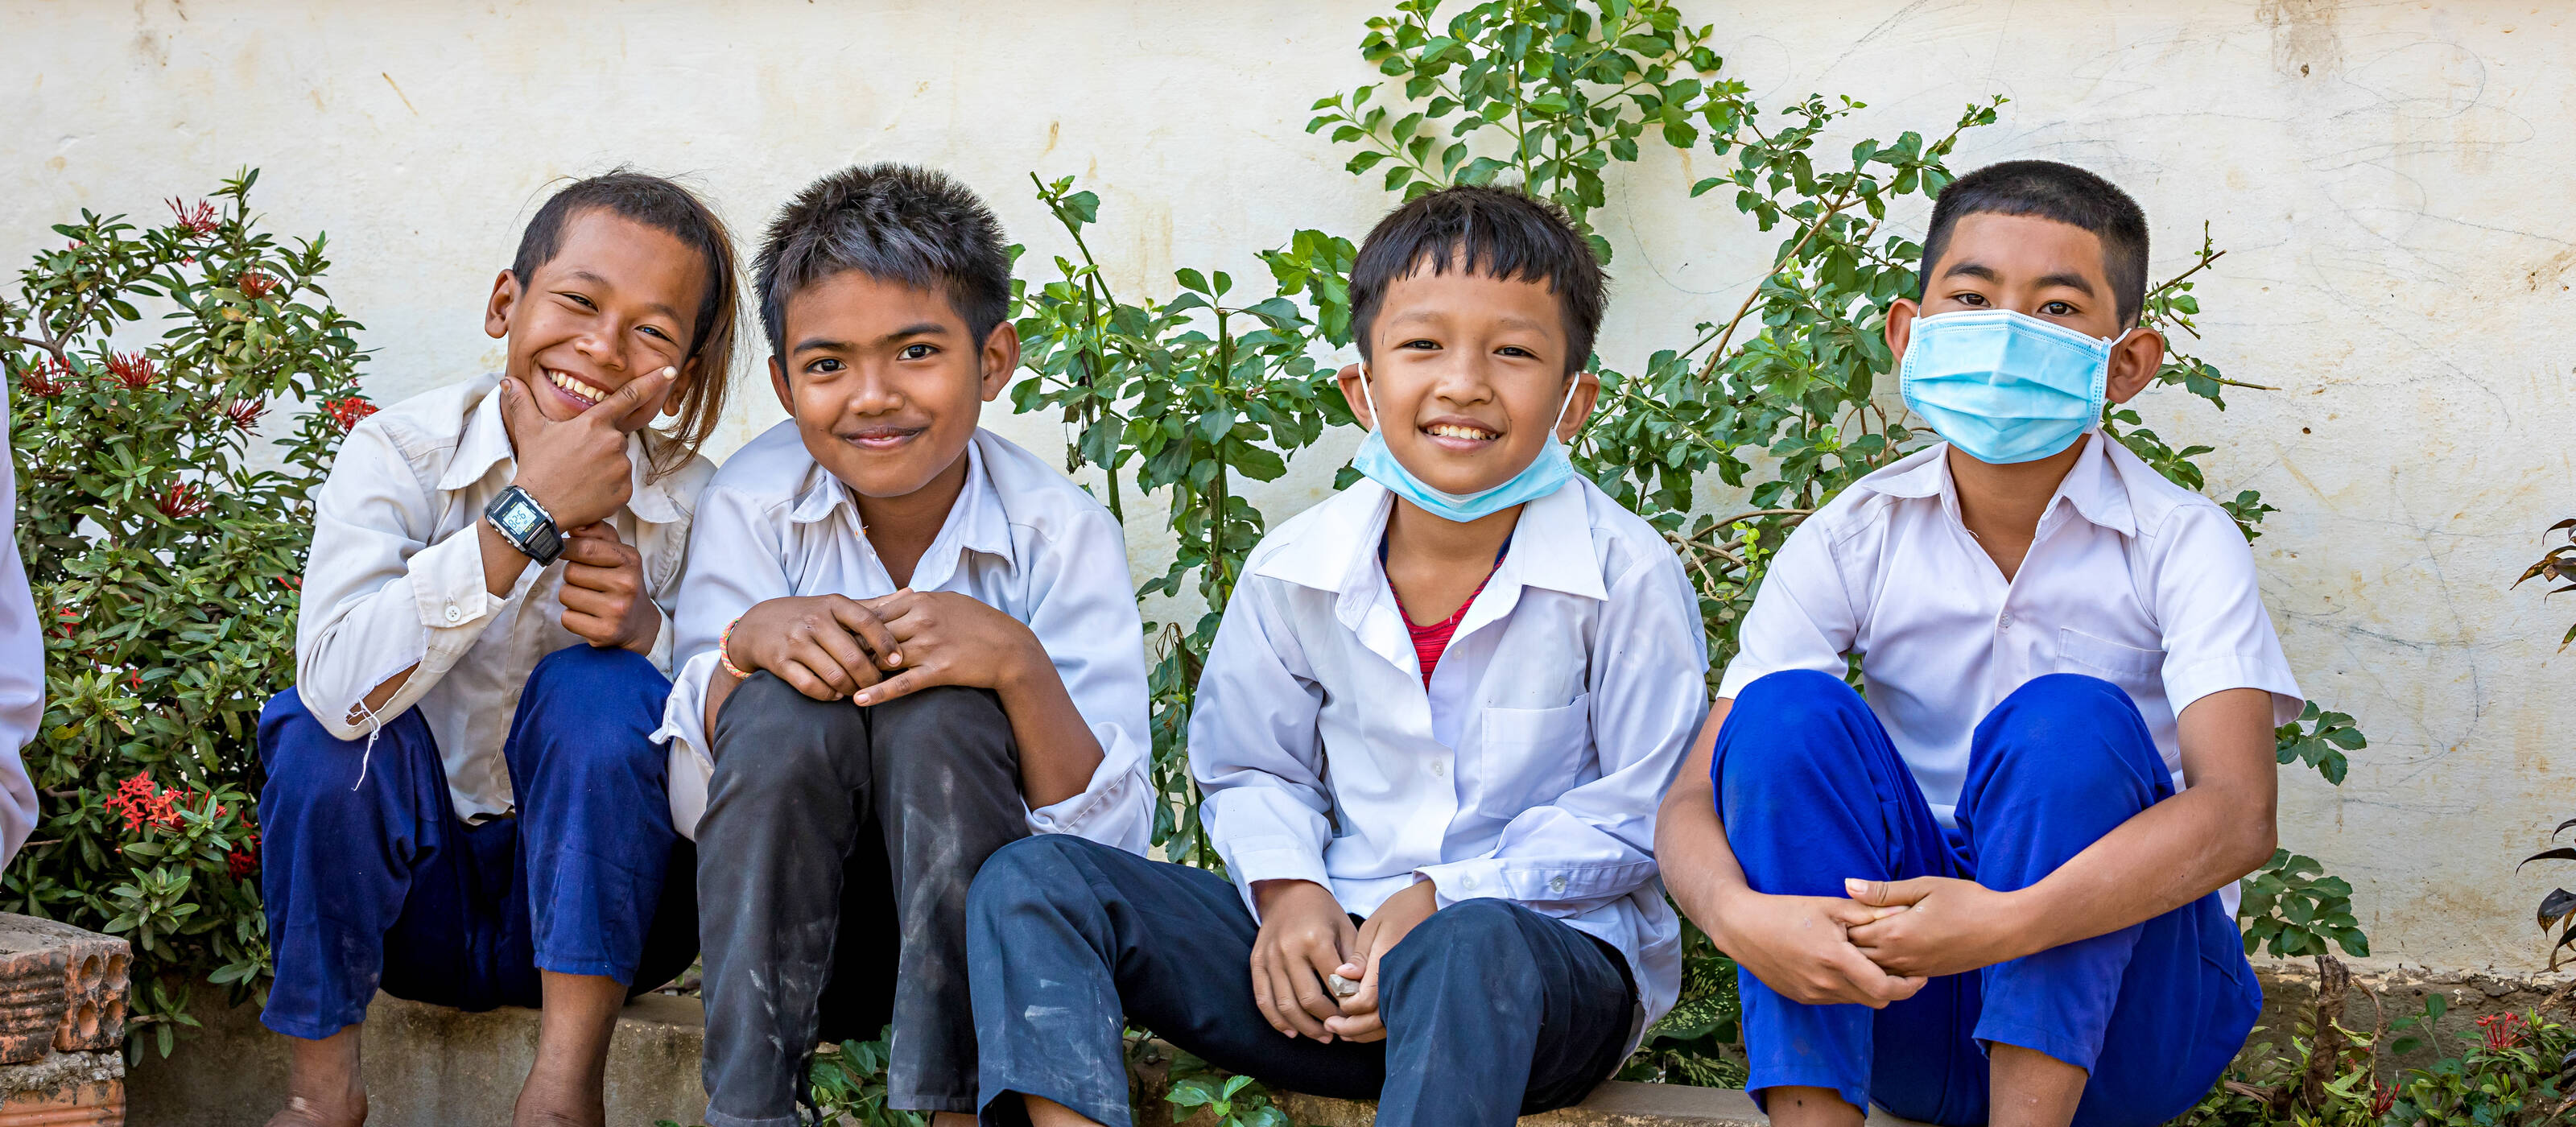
<point>2140,673</point>
<point>1532,755</point>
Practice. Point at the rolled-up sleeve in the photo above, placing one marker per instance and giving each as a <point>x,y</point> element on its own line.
<point>734,563</point>
<point>1648,694</point>
<point>1255,751</point>
<point>381,597</point>
<point>2209,604</point>
<point>1084,611</point>
<point>1802,618</point>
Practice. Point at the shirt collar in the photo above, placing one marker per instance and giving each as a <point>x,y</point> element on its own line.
<point>485,443</point>
<point>1551,547</point>
<point>979,521</point>
<point>2092,485</point>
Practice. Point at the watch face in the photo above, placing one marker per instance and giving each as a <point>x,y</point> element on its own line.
<point>518,518</point>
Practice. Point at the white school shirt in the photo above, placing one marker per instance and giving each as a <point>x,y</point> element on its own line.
<point>1530,770</point>
<point>22,664</point>
<point>395,579</point>
<point>1021,538</point>
<point>2130,578</point>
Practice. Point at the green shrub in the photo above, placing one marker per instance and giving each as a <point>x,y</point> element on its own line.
<point>166,568</point>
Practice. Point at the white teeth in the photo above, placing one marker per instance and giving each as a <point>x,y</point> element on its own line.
<point>575,386</point>
<point>1450,430</point>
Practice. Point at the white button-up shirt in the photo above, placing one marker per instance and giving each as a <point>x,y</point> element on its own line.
<point>1530,769</point>
<point>395,580</point>
<point>2130,578</point>
<point>22,664</point>
<point>1022,538</point>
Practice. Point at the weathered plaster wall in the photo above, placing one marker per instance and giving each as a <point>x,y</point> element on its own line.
<point>2391,180</point>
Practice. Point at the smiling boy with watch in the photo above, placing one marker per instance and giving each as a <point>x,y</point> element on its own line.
<point>906,641</point>
<point>1998,889</point>
<point>463,803</point>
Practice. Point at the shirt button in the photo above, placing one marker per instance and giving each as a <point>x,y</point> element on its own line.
<point>2005,622</point>
<point>1556,884</point>
<point>1466,882</point>
<point>454,614</point>
<point>1439,768</point>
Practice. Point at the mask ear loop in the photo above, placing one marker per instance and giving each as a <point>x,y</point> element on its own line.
<point>1572,384</point>
<point>1365,397</point>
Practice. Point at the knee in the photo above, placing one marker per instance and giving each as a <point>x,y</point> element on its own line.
<point>1482,936</point>
<point>2065,738</point>
<point>1779,726</point>
<point>591,679</point>
<point>770,737</point>
<point>939,732</point>
<point>313,772</point>
<point>1034,871</point>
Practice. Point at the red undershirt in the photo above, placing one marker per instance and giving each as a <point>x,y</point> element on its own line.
<point>1429,642</point>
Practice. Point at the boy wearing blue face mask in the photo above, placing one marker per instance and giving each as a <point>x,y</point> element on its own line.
<point>2001,888</point>
<point>1431,732</point>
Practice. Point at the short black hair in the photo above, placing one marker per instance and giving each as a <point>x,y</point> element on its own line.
<point>665,206</point>
<point>897,222</point>
<point>1498,232</point>
<point>2049,190</point>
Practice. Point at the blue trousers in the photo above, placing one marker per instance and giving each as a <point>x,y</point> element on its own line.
<point>1492,1011</point>
<point>1812,791</point>
<point>374,882</point>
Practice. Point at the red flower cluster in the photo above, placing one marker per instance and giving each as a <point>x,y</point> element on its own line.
<point>143,803</point>
<point>181,501</point>
<point>244,861</point>
<point>133,369</point>
<point>255,285</point>
<point>347,412</point>
<point>244,413</point>
<point>47,379</point>
<point>198,221</point>
<point>2382,1098</point>
<point>63,622</point>
<point>2503,1031</point>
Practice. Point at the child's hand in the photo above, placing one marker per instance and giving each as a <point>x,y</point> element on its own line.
<point>1799,947</point>
<point>1304,936</point>
<point>1386,927</point>
<point>578,469</point>
<point>1932,926</point>
<point>951,639</point>
<point>826,646</point>
<point>603,591</point>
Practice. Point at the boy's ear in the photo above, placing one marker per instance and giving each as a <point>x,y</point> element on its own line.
<point>1001,358</point>
<point>778,383</point>
<point>1586,395</point>
<point>1900,326</point>
<point>2134,364</point>
<point>1350,378</point>
<point>496,313</point>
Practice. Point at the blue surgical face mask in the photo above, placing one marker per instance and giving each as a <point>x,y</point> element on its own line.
<point>2005,387</point>
<point>1544,475</point>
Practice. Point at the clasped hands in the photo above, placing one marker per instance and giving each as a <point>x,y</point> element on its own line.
<point>1879,945</point>
<point>1306,937</point>
<point>874,650</point>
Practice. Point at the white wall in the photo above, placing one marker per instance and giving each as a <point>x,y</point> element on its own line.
<point>2391,180</point>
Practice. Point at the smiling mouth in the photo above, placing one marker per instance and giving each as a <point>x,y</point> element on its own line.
<point>1460,432</point>
<point>882,438</point>
<point>575,387</point>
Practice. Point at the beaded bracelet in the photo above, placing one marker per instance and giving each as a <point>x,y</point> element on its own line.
<point>726,659</point>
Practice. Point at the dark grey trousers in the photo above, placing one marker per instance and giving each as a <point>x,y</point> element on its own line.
<point>833,863</point>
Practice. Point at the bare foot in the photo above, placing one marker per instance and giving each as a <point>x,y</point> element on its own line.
<point>323,1088</point>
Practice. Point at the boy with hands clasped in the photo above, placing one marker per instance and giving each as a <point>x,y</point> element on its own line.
<point>1431,733</point>
<point>463,803</point>
<point>2001,888</point>
<point>906,642</point>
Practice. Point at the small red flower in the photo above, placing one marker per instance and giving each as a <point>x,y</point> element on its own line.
<point>46,379</point>
<point>255,285</point>
<point>187,260</point>
<point>291,582</point>
<point>244,414</point>
<point>2382,1098</point>
<point>198,221</point>
<point>347,412</point>
<point>142,803</point>
<point>132,369</point>
<point>181,501</point>
<point>2503,1031</point>
<point>244,861</point>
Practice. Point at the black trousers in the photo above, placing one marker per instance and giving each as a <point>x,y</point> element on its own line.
<point>833,863</point>
<point>1492,1011</point>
